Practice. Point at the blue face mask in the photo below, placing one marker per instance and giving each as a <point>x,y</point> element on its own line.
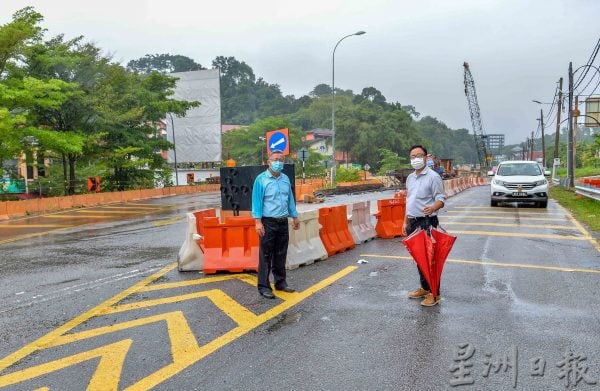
<point>430,163</point>
<point>277,166</point>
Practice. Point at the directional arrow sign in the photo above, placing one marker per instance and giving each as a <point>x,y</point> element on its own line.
<point>278,140</point>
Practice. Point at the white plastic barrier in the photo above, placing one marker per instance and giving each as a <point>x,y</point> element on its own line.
<point>305,246</point>
<point>190,257</point>
<point>359,223</point>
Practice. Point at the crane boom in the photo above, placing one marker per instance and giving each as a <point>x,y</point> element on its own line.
<point>478,132</point>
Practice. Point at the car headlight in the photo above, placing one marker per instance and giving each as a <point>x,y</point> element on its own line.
<point>541,182</point>
<point>498,182</point>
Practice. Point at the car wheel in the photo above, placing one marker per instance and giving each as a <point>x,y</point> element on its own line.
<point>494,203</point>
<point>542,204</point>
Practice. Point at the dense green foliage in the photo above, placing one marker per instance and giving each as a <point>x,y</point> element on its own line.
<point>64,100</point>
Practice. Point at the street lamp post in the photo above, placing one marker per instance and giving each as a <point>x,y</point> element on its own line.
<point>174,150</point>
<point>333,104</point>
<point>262,150</point>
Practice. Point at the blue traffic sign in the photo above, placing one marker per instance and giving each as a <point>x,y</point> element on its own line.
<point>277,141</point>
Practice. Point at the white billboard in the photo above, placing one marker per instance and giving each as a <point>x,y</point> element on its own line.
<point>198,134</point>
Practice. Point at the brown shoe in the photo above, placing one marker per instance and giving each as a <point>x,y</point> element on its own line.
<point>430,300</point>
<point>417,293</point>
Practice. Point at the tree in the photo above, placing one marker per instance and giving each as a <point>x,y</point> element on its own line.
<point>163,63</point>
<point>321,90</point>
<point>371,94</point>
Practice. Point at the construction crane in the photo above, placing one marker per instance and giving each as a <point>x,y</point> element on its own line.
<point>478,132</point>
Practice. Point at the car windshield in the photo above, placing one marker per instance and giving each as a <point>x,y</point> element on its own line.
<point>514,169</point>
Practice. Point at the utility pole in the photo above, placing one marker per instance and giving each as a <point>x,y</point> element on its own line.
<point>570,165</point>
<point>543,142</point>
<point>557,134</point>
<point>531,149</point>
<point>575,115</point>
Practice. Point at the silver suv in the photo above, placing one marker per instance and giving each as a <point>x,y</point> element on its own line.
<point>519,181</point>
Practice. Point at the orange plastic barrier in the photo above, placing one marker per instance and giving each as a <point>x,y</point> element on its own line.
<point>390,217</point>
<point>335,233</point>
<point>200,214</point>
<point>230,246</point>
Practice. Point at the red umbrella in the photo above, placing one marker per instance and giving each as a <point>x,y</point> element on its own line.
<point>441,248</point>
<point>420,246</point>
<point>430,253</point>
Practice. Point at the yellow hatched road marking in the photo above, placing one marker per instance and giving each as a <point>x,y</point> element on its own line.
<point>105,377</point>
<point>157,205</point>
<point>585,233</point>
<point>450,222</point>
<point>518,234</point>
<point>500,264</point>
<point>184,347</point>
<point>501,217</point>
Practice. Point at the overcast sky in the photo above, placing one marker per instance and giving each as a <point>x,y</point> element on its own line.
<point>413,50</point>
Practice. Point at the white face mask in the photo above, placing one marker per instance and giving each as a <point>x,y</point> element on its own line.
<point>417,163</point>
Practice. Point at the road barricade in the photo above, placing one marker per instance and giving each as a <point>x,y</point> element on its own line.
<point>230,246</point>
<point>390,217</point>
<point>334,231</point>
<point>200,214</point>
<point>190,256</point>
<point>360,225</point>
<point>305,245</point>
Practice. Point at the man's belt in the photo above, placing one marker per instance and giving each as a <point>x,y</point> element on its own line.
<point>277,219</point>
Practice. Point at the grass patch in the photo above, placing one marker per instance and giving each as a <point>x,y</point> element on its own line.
<point>584,209</point>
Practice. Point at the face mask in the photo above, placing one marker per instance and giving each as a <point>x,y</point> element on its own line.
<point>417,163</point>
<point>430,163</point>
<point>277,166</point>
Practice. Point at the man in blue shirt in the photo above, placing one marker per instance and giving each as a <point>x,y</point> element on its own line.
<point>424,197</point>
<point>272,203</point>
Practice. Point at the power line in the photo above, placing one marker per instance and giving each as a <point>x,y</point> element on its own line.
<point>590,61</point>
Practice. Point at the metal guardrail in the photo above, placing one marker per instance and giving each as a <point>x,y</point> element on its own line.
<point>589,192</point>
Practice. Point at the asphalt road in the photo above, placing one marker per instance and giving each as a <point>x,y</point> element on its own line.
<point>99,306</point>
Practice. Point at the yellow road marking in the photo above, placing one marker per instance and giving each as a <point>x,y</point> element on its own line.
<point>450,222</point>
<point>34,226</point>
<point>518,212</point>
<point>172,369</point>
<point>157,205</point>
<point>501,264</point>
<point>506,210</point>
<point>78,217</point>
<point>131,207</point>
<point>112,212</point>
<point>107,374</point>
<point>184,347</point>
<point>501,218</point>
<point>167,222</point>
<point>518,234</point>
<point>47,339</point>
<point>581,229</point>
<point>187,283</point>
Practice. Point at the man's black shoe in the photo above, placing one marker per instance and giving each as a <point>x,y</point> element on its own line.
<point>286,289</point>
<point>267,294</point>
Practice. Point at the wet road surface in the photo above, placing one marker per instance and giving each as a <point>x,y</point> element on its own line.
<point>101,306</point>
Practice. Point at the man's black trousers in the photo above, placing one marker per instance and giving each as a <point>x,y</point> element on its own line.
<point>272,253</point>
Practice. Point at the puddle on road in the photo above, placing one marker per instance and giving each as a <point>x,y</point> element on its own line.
<point>284,320</point>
